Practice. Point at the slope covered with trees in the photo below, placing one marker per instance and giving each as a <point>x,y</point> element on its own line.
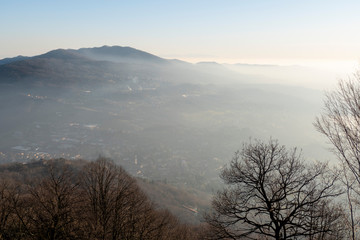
<point>98,200</point>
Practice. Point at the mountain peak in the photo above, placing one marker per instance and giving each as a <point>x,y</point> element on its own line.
<point>61,54</point>
<point>119,54</point>
<point>63,66</point>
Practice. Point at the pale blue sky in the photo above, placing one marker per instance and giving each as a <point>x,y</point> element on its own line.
<point>227,31</point>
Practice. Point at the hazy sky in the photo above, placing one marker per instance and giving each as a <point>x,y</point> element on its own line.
<point>227,31</point>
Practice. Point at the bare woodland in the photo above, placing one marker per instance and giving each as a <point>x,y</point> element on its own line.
<point>100,202</point>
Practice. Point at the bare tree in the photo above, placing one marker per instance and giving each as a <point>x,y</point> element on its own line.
<point>327,221</point>
<point>104,187</point>
<point>49,208</point>
<point>272,193</point>
<point>340,122</point>
<point>104,203</point>
<point>115,207</point>
<point>8,220</point>
<point>5,206</point>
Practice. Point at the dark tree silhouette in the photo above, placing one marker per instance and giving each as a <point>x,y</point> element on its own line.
<point>272,193</point>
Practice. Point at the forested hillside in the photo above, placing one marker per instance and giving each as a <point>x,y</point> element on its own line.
<point>62,199</point>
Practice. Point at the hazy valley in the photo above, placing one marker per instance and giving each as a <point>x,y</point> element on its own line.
<point>163,120</point>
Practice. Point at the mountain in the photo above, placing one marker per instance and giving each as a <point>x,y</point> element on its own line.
<point>210,64</point>
<point>120,54</point>
<point>14,59</point>
<point>126,66</point>
<point>85,66</point>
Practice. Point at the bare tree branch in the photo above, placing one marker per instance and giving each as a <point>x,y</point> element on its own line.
<point>272,192</point>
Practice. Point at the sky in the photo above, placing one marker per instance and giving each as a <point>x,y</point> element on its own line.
<point>252,31</point>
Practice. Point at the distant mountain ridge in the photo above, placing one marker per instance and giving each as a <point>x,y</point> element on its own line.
<point>66,67</point>
<point>84,65</point>
<point>104,53</point>
<point>119,54</point>
<point>61,54</point>
<point>14,59</point>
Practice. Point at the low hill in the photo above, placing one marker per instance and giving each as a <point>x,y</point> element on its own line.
<point>178,200</point>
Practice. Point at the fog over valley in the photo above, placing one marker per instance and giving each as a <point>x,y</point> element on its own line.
<point>161,119</point>
<point>171,124</point>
